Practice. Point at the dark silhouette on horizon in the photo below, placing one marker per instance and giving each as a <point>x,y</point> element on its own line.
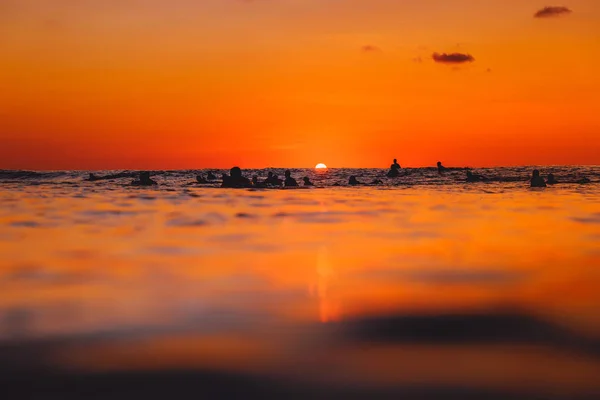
<point>289,181</point>
<point>353,181</point>
<point>471,177</point>
<point>441,169</point>
<point>394,169</point>
<point>235,179</point>
<point>551,180</point>
<point>537,180</point>
<point>210,176</point>
<point>256,183</point>
<point>273,180</point>
<point>144,180</point>
<point>269,180</point>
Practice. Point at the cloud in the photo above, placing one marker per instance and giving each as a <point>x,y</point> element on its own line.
<point>369,48</point>
<point>452,58</point>
<point>552,12</point>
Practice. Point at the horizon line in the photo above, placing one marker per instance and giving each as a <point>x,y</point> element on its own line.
<point>271,167</point>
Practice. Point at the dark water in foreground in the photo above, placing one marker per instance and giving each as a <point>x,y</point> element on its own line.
<point>424,288</point>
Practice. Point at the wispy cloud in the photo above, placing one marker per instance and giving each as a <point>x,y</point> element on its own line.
<point>369,48</point>
<point>452,58</point>
<point>552,12</point>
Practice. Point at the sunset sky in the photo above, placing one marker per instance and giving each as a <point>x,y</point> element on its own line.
<point>161,84</point>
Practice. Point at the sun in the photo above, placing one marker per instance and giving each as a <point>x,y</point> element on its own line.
<point>321,166</point>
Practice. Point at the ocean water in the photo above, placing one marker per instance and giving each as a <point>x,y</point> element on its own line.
<point>333,176</point>
<point>425,287</point>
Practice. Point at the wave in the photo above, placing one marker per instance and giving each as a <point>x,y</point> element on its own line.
<point>327,178</point>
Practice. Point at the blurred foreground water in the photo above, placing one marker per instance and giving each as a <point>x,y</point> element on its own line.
<point>452,291</point>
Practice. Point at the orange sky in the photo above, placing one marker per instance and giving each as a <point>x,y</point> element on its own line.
<point>153,84</point>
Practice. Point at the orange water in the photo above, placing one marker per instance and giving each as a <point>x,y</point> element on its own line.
<point>495,289</point>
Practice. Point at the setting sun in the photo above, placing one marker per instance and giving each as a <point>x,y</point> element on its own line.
<point>321,166</point>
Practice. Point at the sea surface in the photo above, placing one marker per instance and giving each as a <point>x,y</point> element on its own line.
<point>425,287</point>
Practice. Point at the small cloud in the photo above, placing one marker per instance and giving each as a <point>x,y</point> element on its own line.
<point>552,12</point>
<point>368,48</point>
<point>452,58</point>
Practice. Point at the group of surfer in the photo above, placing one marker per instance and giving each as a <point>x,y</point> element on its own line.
<point>235,179</point>
<point>536,180</point>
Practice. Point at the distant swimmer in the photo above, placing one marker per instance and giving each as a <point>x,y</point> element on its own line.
<point>256,183</point>
<point>144,180</point>
<point>551,180</point>
<point>201,180</point>
<point>289,181</point>
<point>269,180</point>
<point>272,180</point>
<point>394,170</point>
<point>441,168</point>
<point>537,180</point>
<point>307,181</point>
<point>210,176</point>
<point>235,179</point>
<point>276,181</point>
<point>353,181</point>
<point>471,177</point>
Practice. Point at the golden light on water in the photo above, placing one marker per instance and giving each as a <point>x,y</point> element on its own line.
<point>321,166</point>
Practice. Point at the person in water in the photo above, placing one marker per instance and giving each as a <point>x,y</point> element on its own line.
<point>276,181</point>
<point>471,177</point>
<point>353,181</point>
<point>144,180</point>
<point>210,176</point>
<point>289,181</point>
<point>551,180</point>
<point>537,180</point>
<point>441,168</point>
<point>256,183</point>
<point>235,179</point>
<point>307,181</point>
<point>272,180</point>
<point>269,180</point>
<point>394,169</point>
